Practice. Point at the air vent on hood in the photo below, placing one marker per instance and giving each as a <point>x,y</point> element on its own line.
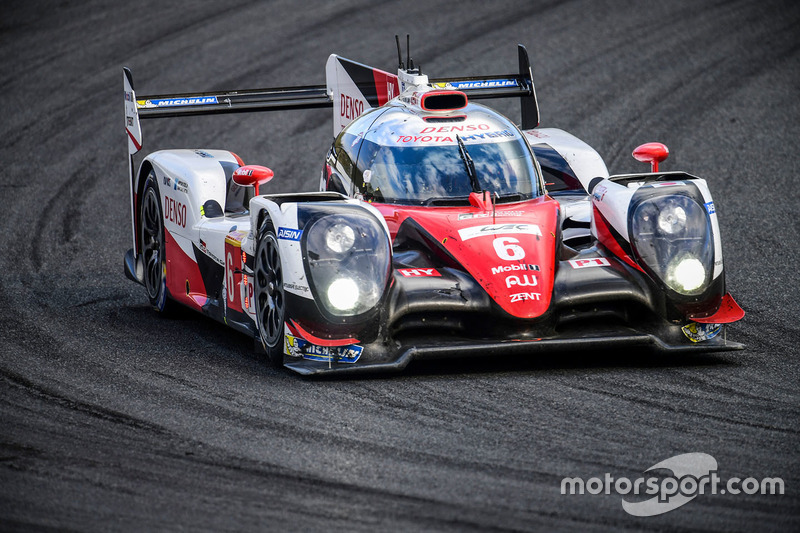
<point>443,101</point>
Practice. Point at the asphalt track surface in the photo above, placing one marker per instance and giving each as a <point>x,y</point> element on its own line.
<point>113,418</point>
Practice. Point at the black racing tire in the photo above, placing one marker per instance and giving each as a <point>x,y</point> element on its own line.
<point>270,296</point>
<point>153,246</point>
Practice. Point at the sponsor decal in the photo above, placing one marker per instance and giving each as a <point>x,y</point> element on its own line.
<point>351,108</point>
<point>297,347</point>
<point>177,102</point>
<point>455,129</point>
<point>290,234</point>
<point>515,267</point>
<point>205,250</point>
<point>419,272</point>
<point>537,134</point>
<point>493,229</point>
<point>424,139</point>
<point>167,181</point>
<point>128,96</point>
<point>667,184</point>
<point>523,281</point>
<point>489,135</point>
<point>483,84</point>
<point>523,296</point>
<point>203,153</point>
<point>180,185</point>
<point>295,287</point>
<point>701,332</point>
<point>592,262</point>
<point>468,216</point>
<point>599,192</point>
<point>710,208</point>
<point>174,211</point>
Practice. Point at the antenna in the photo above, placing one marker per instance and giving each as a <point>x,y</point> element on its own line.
<point>399,54</point>
<point>408,53</point>
<point>411,68</point>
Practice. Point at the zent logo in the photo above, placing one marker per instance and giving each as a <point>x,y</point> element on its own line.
<point>522,296</point>
<point>174,211</point>
<point>593,262</point>
<point>290,234</point>
<point>419,272</point>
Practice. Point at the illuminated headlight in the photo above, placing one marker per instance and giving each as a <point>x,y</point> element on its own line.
<point>348,254</point>
<point>672,236</point>
<point>343,294</point>
<point>686,274</point>
<point>340,238</point>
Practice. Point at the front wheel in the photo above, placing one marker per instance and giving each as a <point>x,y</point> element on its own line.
<point>269,294</point>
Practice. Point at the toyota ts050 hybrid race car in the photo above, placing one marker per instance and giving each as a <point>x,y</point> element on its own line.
<point>441,229</point>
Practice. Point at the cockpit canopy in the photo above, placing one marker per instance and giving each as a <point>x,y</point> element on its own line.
<point>395,154</point>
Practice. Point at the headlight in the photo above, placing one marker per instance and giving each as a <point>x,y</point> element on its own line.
<point>672,219</point>
<point>347,256</point>
<point>343,294</point>
<point>687,274</point>
<point>340,238</point>
<point>672,236</point>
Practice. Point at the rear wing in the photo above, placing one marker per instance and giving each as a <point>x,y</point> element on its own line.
<point>341,74</point>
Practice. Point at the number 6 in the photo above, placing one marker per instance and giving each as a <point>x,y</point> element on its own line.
<point>507,248</point>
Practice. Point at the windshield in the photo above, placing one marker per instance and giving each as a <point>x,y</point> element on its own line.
<point>416,174</point>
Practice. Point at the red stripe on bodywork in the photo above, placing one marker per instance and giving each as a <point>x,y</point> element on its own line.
<point>295,327</point>
<point>135,143</point>
<point>387,82</point>
<point>182,269</point>
<point>606,236</point>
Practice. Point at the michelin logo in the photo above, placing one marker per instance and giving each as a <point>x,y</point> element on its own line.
<point>177,102</point>
<point>484,84</point>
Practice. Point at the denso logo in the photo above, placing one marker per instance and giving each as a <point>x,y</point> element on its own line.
<point>523,296</point>
<point>419,272</point>
<point>290,234</point>
<point>455,129</point>
<point>174,211</point>
<point>514,267</point>
<point>524,281</point>
<point>351,108</point>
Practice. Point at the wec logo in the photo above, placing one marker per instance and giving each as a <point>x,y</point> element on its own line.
<point>290,234</point>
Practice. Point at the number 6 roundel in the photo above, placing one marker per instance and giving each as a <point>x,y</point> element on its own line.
<point>508,249</point>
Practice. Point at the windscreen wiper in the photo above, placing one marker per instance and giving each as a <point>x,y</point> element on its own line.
<point>469,165</point>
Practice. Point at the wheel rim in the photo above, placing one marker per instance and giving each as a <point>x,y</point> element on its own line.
<point>270,300</point>
<point>151,243</point>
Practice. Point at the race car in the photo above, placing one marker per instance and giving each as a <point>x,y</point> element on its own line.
<point>441,229</point>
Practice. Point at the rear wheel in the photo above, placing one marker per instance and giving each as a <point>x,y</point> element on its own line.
<point>154,257</point>
<point>269,294</point>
